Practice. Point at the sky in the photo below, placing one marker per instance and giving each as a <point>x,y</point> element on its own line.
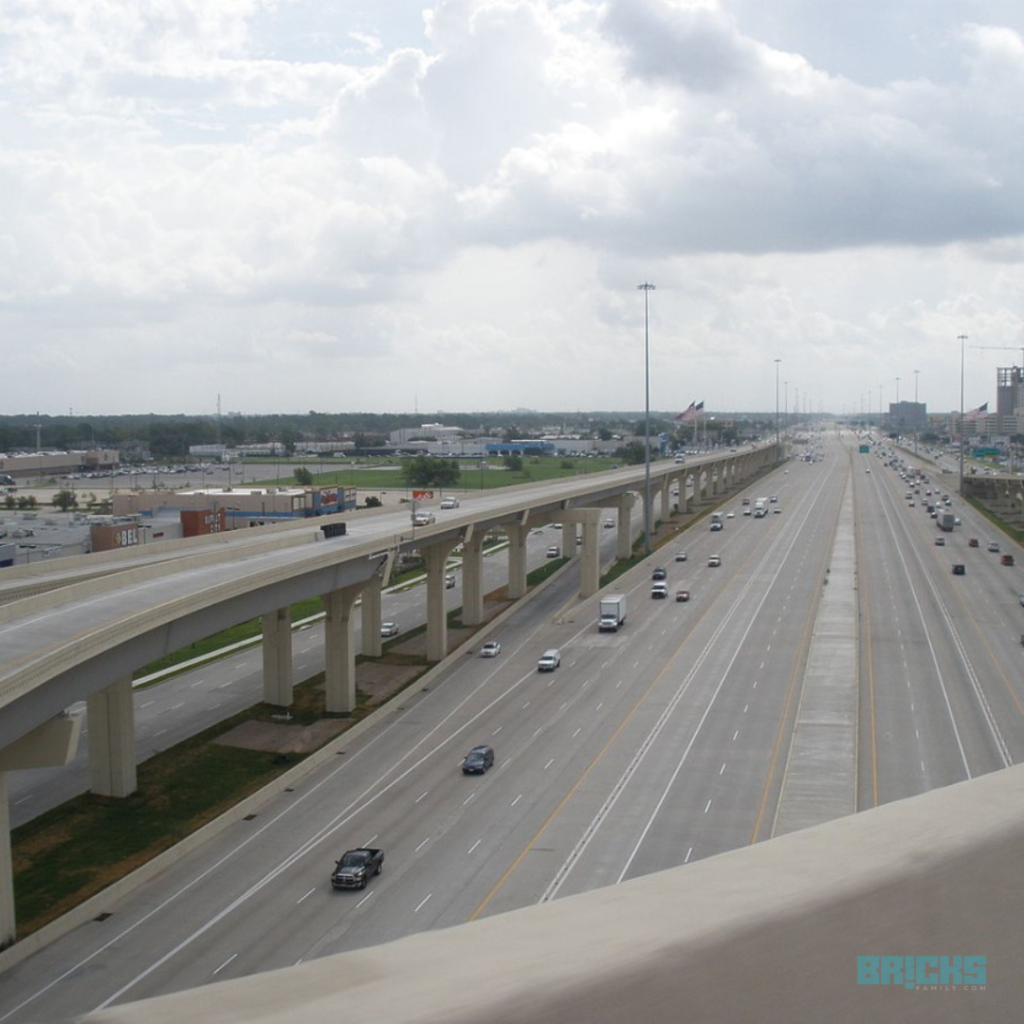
<point>406,206</point>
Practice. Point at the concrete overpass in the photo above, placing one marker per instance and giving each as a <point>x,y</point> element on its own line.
<point>78,628</point>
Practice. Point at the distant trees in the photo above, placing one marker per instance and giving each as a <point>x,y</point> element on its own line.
<point>64,500</point>
<point>303,477</point>
<point>427,471</point>
<point>513,462</point>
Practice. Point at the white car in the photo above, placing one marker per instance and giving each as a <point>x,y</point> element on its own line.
<point>680,556</point>
<point>389,629</point>
<point>447,503</point>
<point>449,581</point>
<point>554,552</point>
<point>491,649</point>
<point>549,661</point>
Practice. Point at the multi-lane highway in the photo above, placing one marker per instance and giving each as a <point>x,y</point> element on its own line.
<point>664,743</point>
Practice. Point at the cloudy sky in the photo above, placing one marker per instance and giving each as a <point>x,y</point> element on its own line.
<point>405,205</point>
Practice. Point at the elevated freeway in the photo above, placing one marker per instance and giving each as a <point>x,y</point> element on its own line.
<point>77,629</point>
<point>695,730</point>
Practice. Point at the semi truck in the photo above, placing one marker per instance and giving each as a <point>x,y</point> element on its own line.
<point>612,613</point>
<point>760,508</point>
<point>946,521</point>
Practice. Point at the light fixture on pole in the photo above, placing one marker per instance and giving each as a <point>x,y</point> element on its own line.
<point>917,425</point>
<point>962,338</point>
<point>647,288</point>
<point>899,418</point>
<point>777,361</point>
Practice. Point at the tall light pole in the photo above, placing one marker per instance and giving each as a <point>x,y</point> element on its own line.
<point>785,406</point>
<point>647,288</point>
<point>962,338</point>
<point>917,425</point>
<point>777,361</point>
<point>899,418</point>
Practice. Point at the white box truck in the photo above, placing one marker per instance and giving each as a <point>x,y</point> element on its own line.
<point>612,613</point>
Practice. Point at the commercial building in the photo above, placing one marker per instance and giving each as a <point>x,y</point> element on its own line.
<point>242,506</point>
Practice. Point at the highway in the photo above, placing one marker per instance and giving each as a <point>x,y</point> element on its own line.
<point>656,746</point>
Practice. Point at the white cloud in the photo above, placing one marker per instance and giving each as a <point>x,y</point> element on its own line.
<point>298,210</point>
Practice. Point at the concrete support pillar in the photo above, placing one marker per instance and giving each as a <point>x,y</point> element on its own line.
<point>371,618</point>
<point>436,558</point>
<point>473,577</point>
<point>590,556</point>
<point>568,541</point>
<point>340,649</point>
<point>517,534</point>
<point>111,711</point>
<point>624,534</point>
<point>277,657</point>
<point>665,491</point>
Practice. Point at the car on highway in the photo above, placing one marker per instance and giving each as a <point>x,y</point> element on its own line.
<point>355,867</point>
<point>449,580</point>
<point>993,547</point>
<point>478,760</point>
<point>682,595</point>
<point>491,649</point>
<point>660,573</point>
<point>958,569</point>
<point>554,552</point>
<point>1022,600</point>
<point>1007,560</point>
<point>730,515</point>
<point>680,556</point>
<point>746,501</point>
<point>974,543</point>
<point>449,503</point>
<point>940,542</point>
<point>549,660</point>
<point>716,526</point>
<point>389,629</point>
<point>714,561</point>
<point>659,590</point>
<point>609,524</point>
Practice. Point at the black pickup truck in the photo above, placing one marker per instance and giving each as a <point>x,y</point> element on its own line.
<point>355,868</point>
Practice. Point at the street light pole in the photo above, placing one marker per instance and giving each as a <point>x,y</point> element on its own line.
<point>899,418</point>
<point>785,406</point>
<point>647,288</point>
<point>962,338</point>
<point>777,361</point>
<point>917,426</point>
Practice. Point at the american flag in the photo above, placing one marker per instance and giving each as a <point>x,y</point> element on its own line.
<point>976,414</point>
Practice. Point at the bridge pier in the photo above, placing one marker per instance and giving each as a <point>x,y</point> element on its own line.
<point>517,534</point>
<point>112,766</point>
<point>339,649</point>
<point>371,613</point>
<point>436,558</point>
<point>277,657</point>
<point>473,576</point>
<point>624,526</point>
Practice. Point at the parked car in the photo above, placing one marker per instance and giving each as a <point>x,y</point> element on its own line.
<point>714,561</point>
<point>659,590</point>
<point>491,649</point>
<point>478,760</point>
<point>682,595</point>
<point>549,660</point>
<point>389,629</point>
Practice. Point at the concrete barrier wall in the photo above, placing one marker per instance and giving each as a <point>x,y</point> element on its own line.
<point>770,933</point>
